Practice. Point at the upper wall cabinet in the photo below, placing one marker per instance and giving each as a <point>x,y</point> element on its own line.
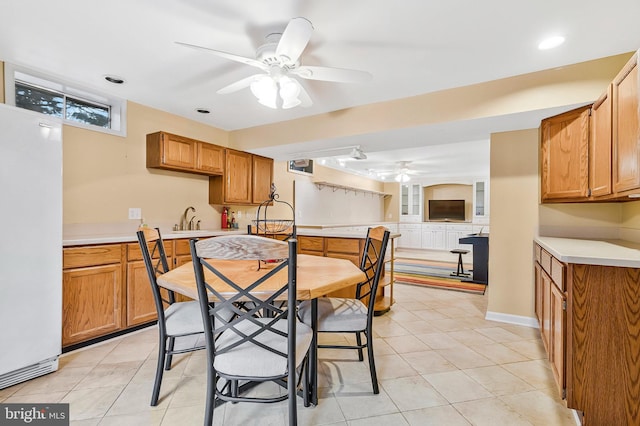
<point>626,132</point>
<point>261,178</point>
<point>608,143</point>
<point>247,179</point>
<point>564,155</point>
<point>172,152</point>
<point>600,146</point>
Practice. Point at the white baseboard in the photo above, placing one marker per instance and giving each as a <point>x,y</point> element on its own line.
<point>512,319</point>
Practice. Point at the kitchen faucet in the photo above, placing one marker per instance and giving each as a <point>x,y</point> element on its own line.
<point>184,223</point>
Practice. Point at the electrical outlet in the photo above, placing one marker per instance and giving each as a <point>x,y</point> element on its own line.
<point>135,213</point>
<point>239,214</point>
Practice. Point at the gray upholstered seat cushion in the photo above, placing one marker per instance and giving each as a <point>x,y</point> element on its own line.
<point>250,360</point>
<point>336,314</point>
<point>183,318</point>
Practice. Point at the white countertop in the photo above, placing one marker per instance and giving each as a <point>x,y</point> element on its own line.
<point>108,238</point>
<point>79,240</point>
<point>336,232</point>
<point>593,252</point>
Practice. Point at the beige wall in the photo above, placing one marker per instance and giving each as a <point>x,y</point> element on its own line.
<point>104,175</point>
<point>449,192</point>
<point>514,186</point>
<point>579,83</point>
<point>517,218</point>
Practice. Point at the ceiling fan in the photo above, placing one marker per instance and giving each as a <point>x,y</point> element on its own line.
<point>279,59</point>
<point>401,173</point>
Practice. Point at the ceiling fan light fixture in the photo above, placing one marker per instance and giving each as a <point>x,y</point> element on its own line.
<point>402,177</point>
<point>357,154</point>
<point>266,90</point>
<point>289,92</point>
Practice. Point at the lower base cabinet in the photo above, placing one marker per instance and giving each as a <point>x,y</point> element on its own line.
<point>590,326</point>
<point>92,302</point>
<point>105,289</point>
<point>92,292</point>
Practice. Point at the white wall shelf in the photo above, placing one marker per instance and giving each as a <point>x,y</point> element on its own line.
<point>346,189</point>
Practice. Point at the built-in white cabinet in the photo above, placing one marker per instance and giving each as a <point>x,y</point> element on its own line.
<point>434,237</point>
<point>437,236</point>
<point>410,235</point>
<point>480,200</point>
<point>454,233</point>
<point>410,202</point>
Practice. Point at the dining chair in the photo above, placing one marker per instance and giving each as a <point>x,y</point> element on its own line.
<point>175,319</point>
<point>262,343</point>
<point>346,315</point>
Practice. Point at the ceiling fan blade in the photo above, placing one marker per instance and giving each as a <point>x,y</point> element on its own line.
<point>230,56</point>
<point>338,75</point>
<point>238,85</point>
<point>294,39</point>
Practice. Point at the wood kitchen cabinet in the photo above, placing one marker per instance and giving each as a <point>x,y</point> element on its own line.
<point>261,178</point>
<point>351,249</point>
<point>174,152</point>
<point>589,316</point>
<point>565,156</point>
<point>106,288</point>
<point>141,307</point>
<point>551,311</point>
<point>92,292</point>
<point>626,130</point>
<point>247,179</point>
<point>600,140</point>
<point>209,158</point>
<point>341,248</point>
<point>597,158</point>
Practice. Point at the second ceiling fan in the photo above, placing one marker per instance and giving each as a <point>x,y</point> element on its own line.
<point>279,59</point>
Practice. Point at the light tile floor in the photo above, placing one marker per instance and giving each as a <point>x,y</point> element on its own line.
<point>439,362</point>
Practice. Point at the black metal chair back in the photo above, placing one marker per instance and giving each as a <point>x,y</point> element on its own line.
<point>175,319</point>
<point>372,264</point>
<point>260,342</point>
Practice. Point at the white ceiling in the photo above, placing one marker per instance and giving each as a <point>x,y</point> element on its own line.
<point>410,46</point>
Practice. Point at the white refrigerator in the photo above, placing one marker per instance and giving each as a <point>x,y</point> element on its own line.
<point>30,244</point>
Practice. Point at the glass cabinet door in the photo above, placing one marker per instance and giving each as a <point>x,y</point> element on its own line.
<point>404,208</point>
<point>410,199</point>
<point>415,199</point>
<point>481,199</point>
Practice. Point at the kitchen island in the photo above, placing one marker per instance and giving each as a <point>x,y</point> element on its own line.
<point>347,242</point>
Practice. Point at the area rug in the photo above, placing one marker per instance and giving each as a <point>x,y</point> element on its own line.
<point>435,274</point>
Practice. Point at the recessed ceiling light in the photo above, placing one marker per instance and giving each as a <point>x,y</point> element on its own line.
<point>114,79</point>
<point>203,110</point>
<point>551,42</point>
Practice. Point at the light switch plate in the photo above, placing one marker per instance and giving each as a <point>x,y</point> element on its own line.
<point>135,213</point>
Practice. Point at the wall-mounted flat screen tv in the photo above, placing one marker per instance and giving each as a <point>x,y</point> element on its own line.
<point>446,210</point>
